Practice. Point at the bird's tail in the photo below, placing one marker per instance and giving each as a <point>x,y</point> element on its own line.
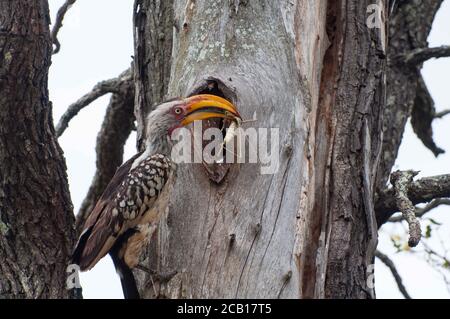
<point>79,247</point>
<point>127,280</point>
<point>129,287</point>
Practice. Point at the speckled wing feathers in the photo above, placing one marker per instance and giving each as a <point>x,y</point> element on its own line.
<point>127,202</point>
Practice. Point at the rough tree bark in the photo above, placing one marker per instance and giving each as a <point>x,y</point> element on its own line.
<point>36,220</point>
<point>408,30</point>
<point>314,70</point>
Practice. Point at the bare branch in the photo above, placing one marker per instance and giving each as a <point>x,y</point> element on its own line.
<point>422,115</point>
<point>401,180</point>
<point>408,30</point>
<point>441,114</point>
<point>59,23</point>
<point>117,126</point>
<point>100,89</point>
<point>422,211</point>
<point>398,279</point>
<point>423,190</point>
<point>420,55</point>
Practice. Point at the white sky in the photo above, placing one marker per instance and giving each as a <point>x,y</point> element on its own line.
<point>97,44</point>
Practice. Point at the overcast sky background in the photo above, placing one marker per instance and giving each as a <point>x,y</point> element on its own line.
<point>97,44</point>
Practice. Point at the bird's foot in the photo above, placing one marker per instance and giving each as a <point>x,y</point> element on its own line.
<point>159,276</point>
<point>155,275</point>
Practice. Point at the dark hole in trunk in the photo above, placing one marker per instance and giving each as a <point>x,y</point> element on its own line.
<point>217,171</point>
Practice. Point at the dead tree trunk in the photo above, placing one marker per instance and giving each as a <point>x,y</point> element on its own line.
<point>316,71</point>
<point>36,220</point>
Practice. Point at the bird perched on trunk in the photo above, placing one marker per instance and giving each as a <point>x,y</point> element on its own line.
<point>126,214</point>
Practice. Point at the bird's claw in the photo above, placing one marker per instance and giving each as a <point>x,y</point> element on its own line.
<point>159,276</point>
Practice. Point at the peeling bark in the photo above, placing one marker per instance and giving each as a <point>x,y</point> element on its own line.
<point>36,220</point>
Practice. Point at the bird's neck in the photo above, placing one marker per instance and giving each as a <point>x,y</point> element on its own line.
<point>158,144</point>
<point>154,145</point>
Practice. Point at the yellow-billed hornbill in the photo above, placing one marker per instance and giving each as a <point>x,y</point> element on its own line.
<point>129,209</point>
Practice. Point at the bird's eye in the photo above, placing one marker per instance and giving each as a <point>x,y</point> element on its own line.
<point>177,110</point>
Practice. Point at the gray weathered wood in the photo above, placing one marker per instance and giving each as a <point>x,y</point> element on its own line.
<point>260,235</point>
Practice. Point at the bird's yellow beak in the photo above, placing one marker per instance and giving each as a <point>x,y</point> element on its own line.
<point>206,106</point>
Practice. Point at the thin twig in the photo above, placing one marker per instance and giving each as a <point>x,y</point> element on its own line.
<point>422,211</point>
<point>100,89</point>
<point>59,23</point>
<point>436,261</point>
<point>441,114</point>
<point>398,279</point>
<point>418,56</point>
<point>432,252</point>
<point>401,180</point>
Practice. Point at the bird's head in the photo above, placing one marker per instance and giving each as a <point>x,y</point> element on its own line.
<point>181,112</point>
<point>167,117</point>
